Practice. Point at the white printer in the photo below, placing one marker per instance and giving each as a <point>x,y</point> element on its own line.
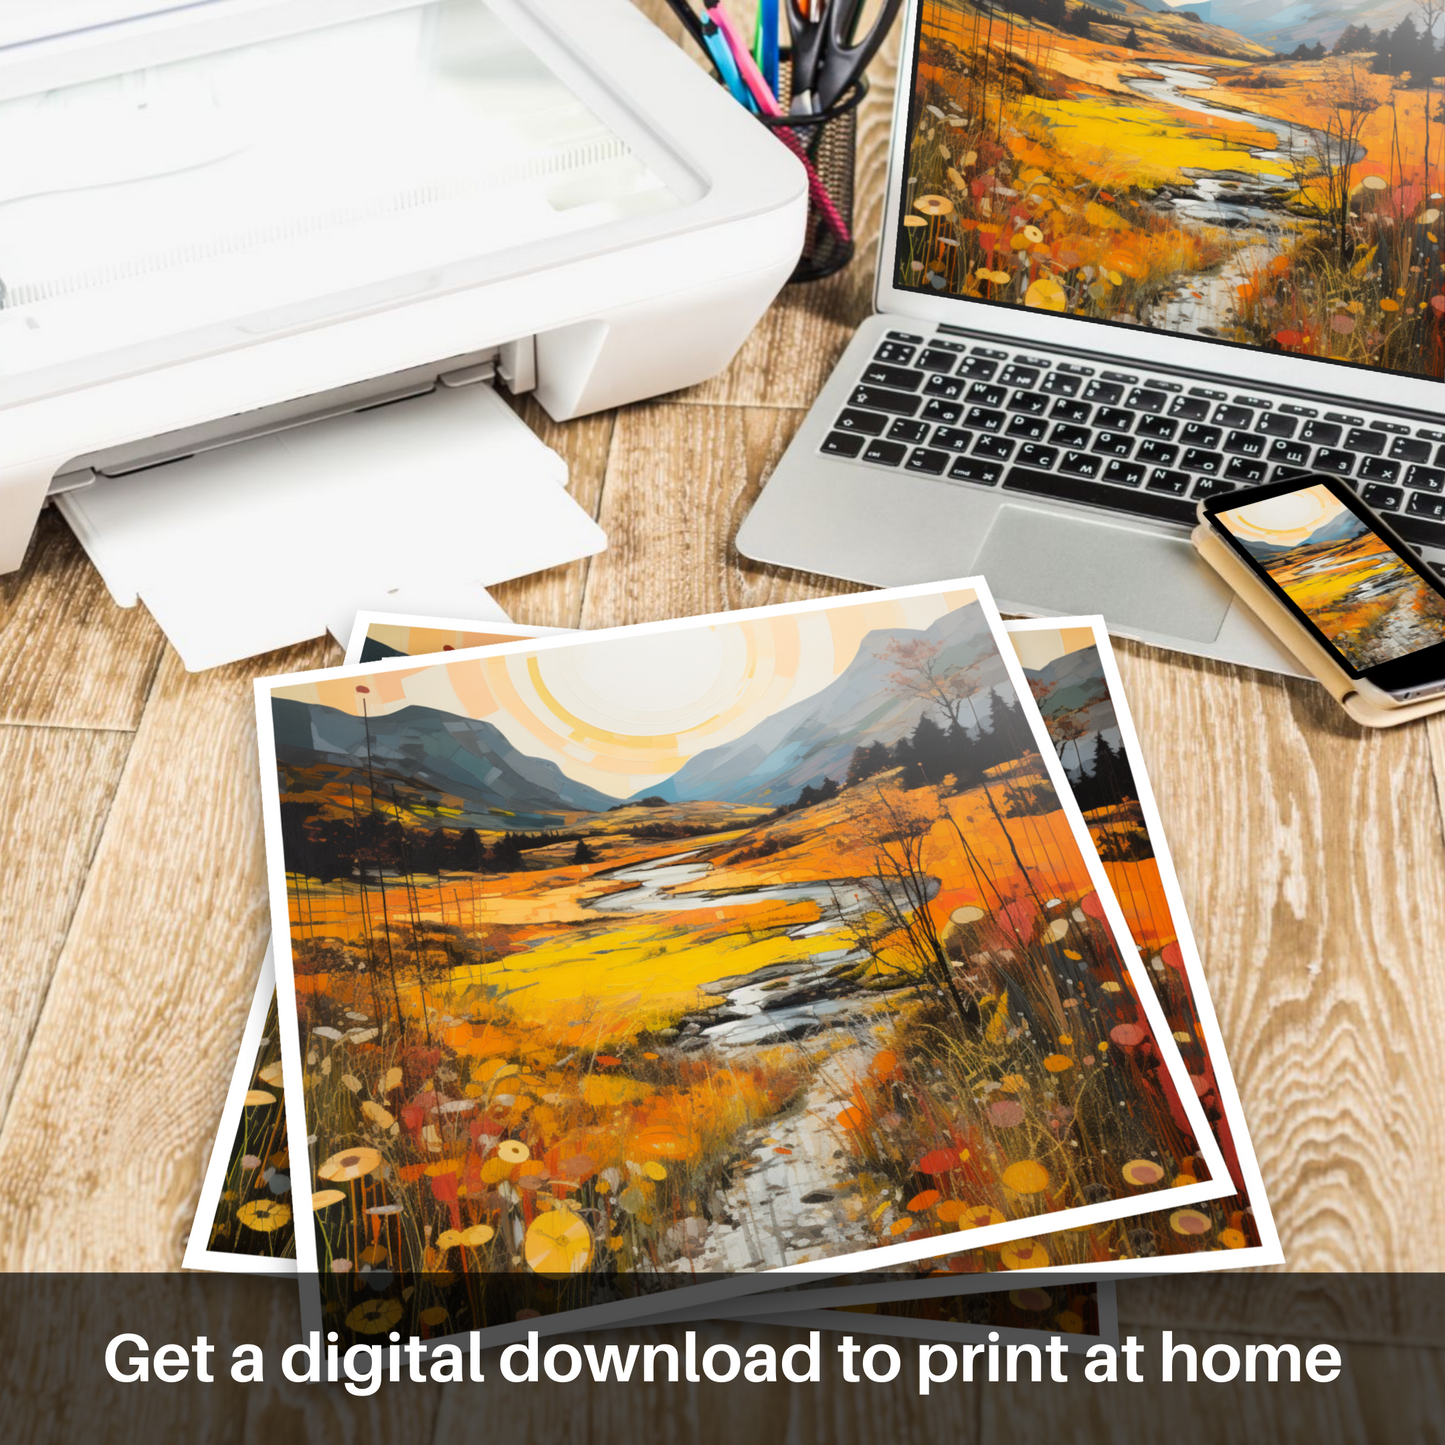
<point>232,230</point>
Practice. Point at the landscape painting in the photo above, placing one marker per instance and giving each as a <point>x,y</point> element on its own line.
<point>244,1220</point>
<point>1371,604</point>
<point>1235,169</point>
<point>697,950</point>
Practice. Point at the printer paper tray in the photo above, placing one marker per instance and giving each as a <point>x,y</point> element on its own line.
<point>417,506</point>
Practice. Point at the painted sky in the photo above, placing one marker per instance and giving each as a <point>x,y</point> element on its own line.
<point>1036,649</point>
<point>626,712</point>
<point>1284,520</point>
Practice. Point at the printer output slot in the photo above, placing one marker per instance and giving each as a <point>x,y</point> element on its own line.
<point>513,362</point>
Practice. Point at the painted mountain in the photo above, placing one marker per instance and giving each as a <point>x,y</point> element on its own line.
<point>1076,682</point>
<point>457,756</point>
<point>1343,527</point>
<point>815,738</point>
<point>1283,25</point>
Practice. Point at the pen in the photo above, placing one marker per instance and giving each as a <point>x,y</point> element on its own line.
<point>768,105</point>
<point>690,22</point>
<point>765,42</point>
<point>724,57</point>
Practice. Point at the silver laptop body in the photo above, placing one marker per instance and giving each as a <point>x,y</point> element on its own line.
<point>942,446</point>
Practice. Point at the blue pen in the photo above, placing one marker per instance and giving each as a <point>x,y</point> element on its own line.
<point>768,29</point>
<point>727,67</point>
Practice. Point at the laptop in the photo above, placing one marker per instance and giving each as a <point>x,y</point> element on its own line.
<point>1100,298</point>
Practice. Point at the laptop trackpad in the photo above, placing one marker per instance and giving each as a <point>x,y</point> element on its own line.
<point>1071,564</point>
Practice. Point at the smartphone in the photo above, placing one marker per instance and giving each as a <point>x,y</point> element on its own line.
<point>1340,569</point>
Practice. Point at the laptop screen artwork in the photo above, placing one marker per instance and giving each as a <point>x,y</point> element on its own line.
<point>1225,170</point>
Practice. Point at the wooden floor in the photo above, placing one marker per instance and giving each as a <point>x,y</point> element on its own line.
<point>133,913</point>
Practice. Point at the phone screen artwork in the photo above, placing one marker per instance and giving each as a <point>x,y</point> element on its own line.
<point>1365,599</point>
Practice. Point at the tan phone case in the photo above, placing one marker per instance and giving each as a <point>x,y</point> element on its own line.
<point>1297,638</point>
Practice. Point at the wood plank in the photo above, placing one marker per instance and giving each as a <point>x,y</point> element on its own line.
<point>115,1108</point>
<point>708,1413</point>
<point>1183,1413</point>
<point>56,786</point>
<point>1311,857</point>
<point>679,481</point>
<point>554,598</point>
<point>69,657</point>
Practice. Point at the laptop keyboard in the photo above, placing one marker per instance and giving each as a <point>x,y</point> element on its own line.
<point>1142,444</point>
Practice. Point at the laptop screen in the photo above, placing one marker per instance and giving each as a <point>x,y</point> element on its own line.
<point>1251,175</point>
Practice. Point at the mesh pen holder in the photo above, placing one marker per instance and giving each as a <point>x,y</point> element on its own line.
<point>826,143</point>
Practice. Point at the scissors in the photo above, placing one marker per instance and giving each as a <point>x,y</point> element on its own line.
<point>827,54</point>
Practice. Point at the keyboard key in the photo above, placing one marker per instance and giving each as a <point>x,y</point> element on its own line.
<point>935,360</point>
<point>1423,504</point>
<point>886,454</point>
<point>1199,460</point>
<point>1245,469</point>
<point>1019,376</point>
<point>1127,377</point>
<point>1032,428</point>
<point>1322,433</point>
<point>1081,464</point>
<point>1060,383</point>
<point>1344,418</point>
<point>1274,425</point>
<point>1079,489</point>
<point>996,448</point>
<point>1106,391</point>
<point>877,398</point>
<point>1190,408</point>
<point>1327,459</point>
<point>1292,454</point>
<point>950,388</point>
<point>1425,479</point>
<point>867,422</point>
<point>980,368</point>
<point>1406,449</point>
<point>1382,499</point>
<point>1209,392</point>
<point>1418,531</point>
<point>981,419</point>
<point>953,438</point>
<point>924,459</point>
<point>1372,443</point>
<point>1395,428</point>
<point>1124,474</point>
<point>1113,418</point>
<point>843,444</point>
<point>1071,436</point>
<point>1377,469</point>
<point>990,351</point>
<point>1156,426</point>
<point>1077,411</point>
<point>1143,399</point>
<point>1430,434</point>
<point>877,374</point>
<point>1229,415</point>
<point>1034,456</point>
<point>1164,480</point>
<point>935,409</point>
<point>1210,487</point>
<point>905,336</point>
<point>1035,403</point>
<point>971,469</point>
<point>1112,444</point>
<point>1156,454</point>
<point>895,353</point>
<point>981,394</point>
<point>904,429</point>
<point>1244,444</point>
<point>1194,435</point>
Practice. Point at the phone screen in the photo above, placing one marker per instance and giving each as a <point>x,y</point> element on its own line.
<point>1368,601</point>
